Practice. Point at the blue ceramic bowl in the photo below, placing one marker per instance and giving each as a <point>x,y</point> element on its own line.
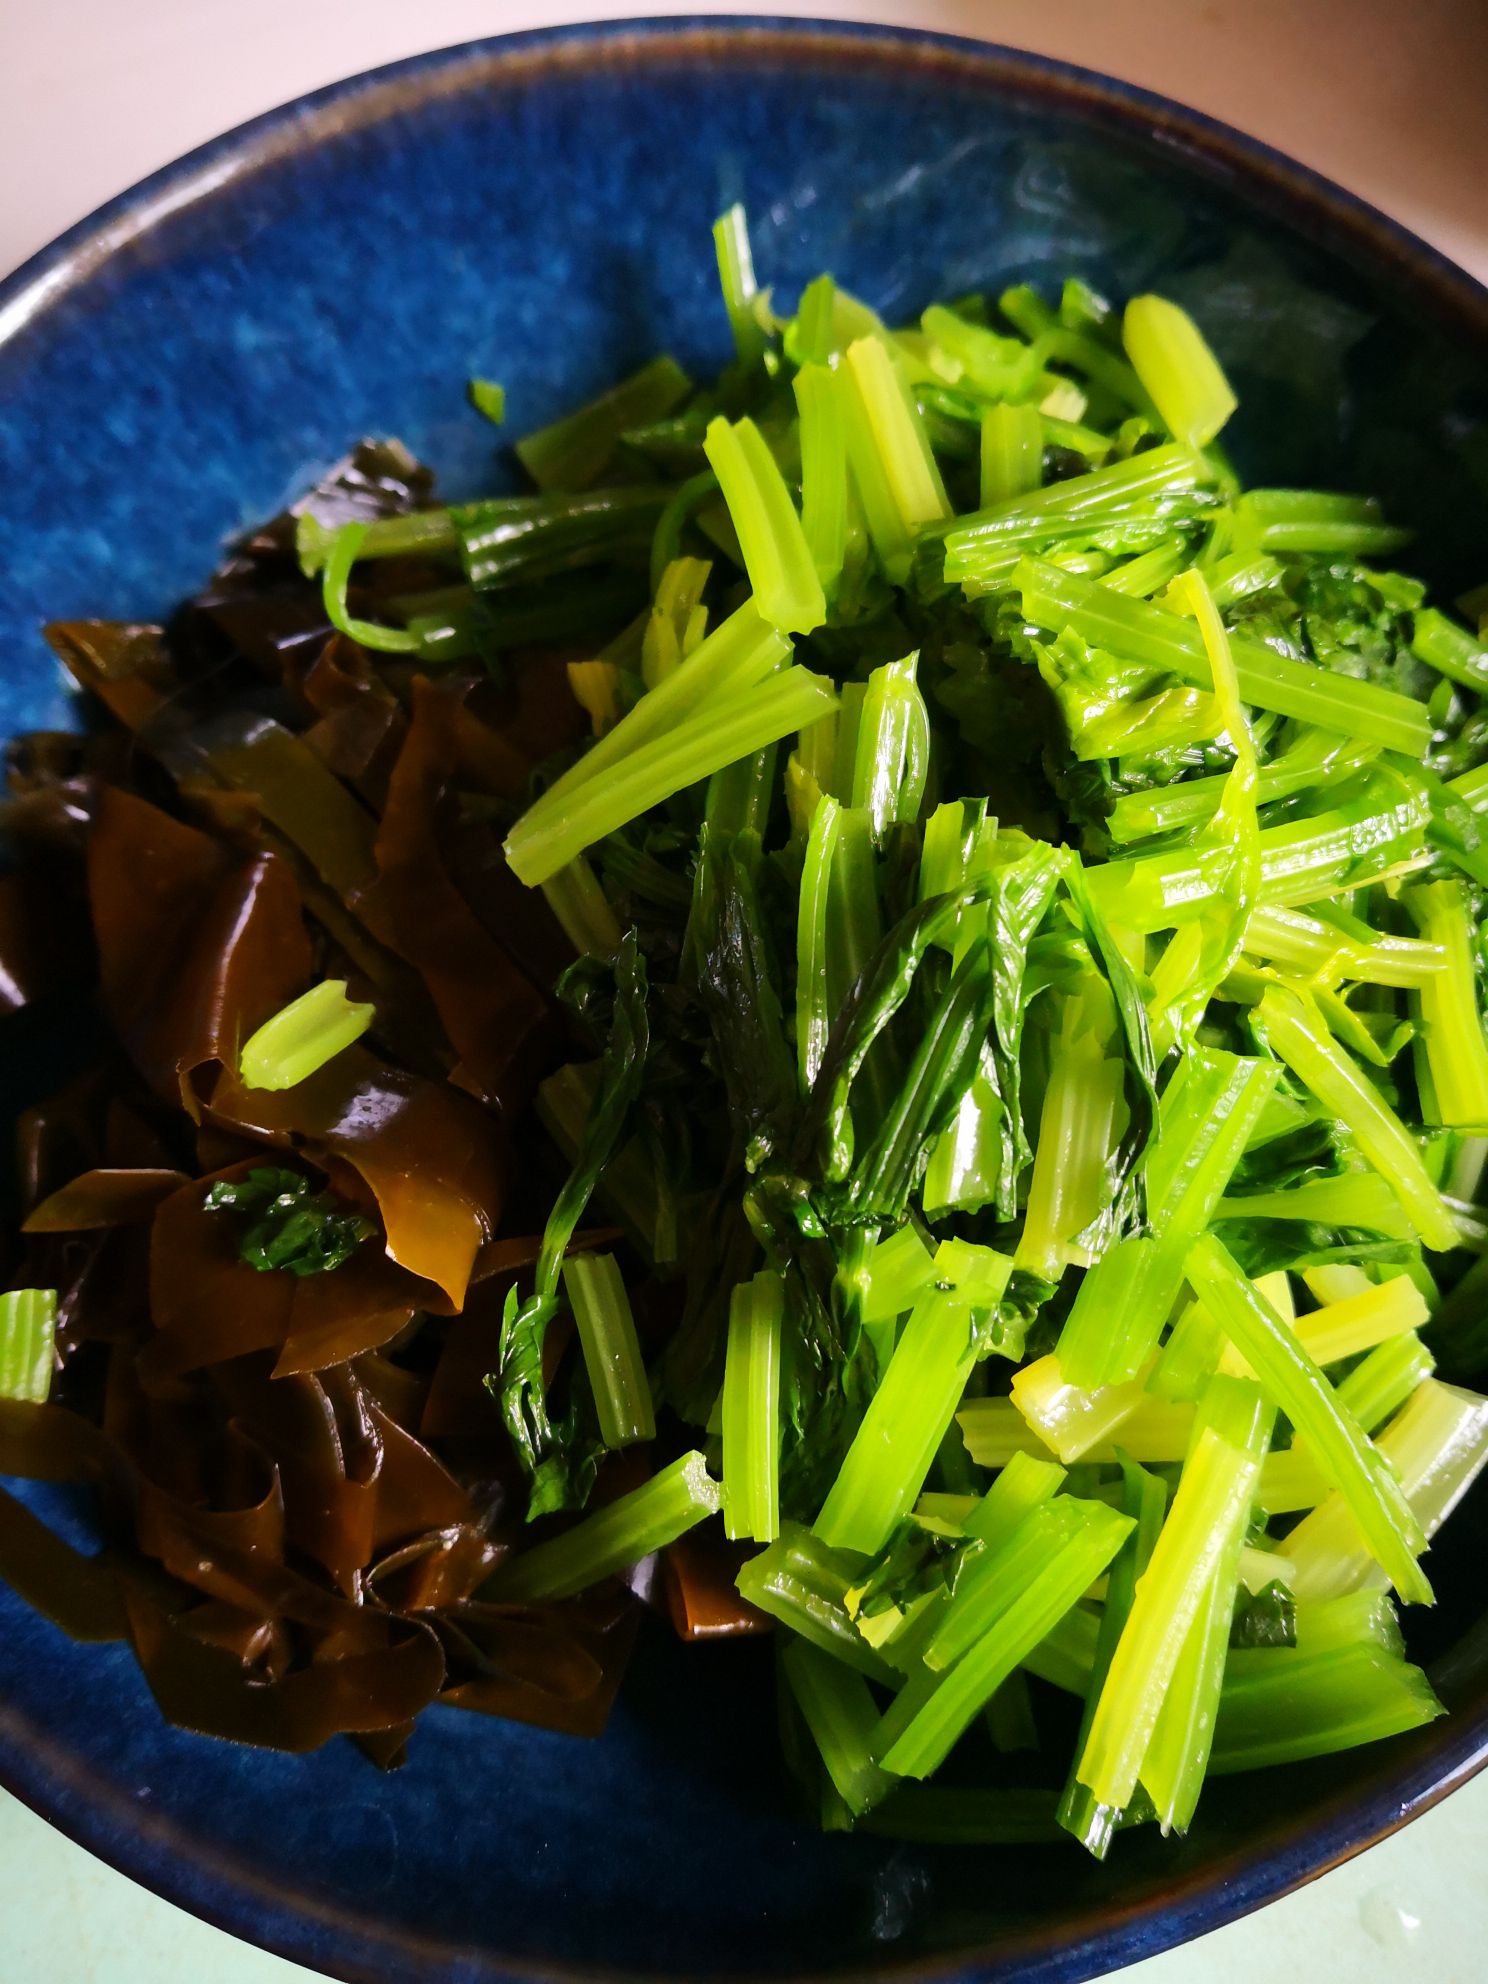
<point>536,209</point>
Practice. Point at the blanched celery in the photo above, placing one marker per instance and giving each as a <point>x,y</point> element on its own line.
<point>751,1410</point>
<point>1198,1543</point>
<point>1293,1382</point>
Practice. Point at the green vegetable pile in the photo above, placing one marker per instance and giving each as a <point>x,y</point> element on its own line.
<point>1028,897</point>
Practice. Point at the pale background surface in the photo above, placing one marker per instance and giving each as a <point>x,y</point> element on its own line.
<point>1392,101</point>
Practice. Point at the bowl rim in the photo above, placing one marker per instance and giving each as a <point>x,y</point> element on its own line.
<point>53,1779</point>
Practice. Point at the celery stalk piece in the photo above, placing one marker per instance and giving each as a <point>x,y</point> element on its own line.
<point>1009,1716</point>
<point>1068,1420</point>
<point>1436,1446</point>
<point>1190,1357</point>
<point>907,1416</point>
<point>741,651</point>
<point>842,1716</point>
<point>815,1011</point>
<point>1178,1754</point>
<point>1308,520</point>
<point>824,487</point>
<point>1208,1111</point>
<point>751,1410</point>
<point>596,689</point>
<point>1178,1003</point>
<point>1318,757</point>
<point>1017,1548</point>
<point>1144,1498</point>
<point>677,621</point>
<point>1323,948</point>
<point>612,1538</point>
<point>577,899</point>
<point>1065,1656</point>
<point>804,1585</point>
<point>1291,1481</point>
<point>1012,453</point>
<point>1450,1025</point>
<point>1281,1704</point>
<point>777,558</point>
<point>899,1270</point>
<point>1380,1383</point>
<point>991,538</point>
<point>303,1036</point>
<point>890,455</point>
<point>1025,1484</point>
<point>1295,1384</point>
<point>1203,1530</point>
<point>612,1351</point>
<point>1449,649</point>
<point>1374,831</point>
<point>725,729</point>
<point>28,1334</point>
<point>921,1728</point>
<point>1359,1322</point>
<point>1150,571</point>
<point>1298,1034</point>
<point>572,452</point>
<point>1172,359</point>
<point>1078,1128</point>
<point>740,290</point>
<point>1358,1618</point>
<point>892,760</point>
<point>1155,1430</point>
<point>1135,629</point>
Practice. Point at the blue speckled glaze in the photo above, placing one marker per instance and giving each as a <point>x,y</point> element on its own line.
<point>537,210</point>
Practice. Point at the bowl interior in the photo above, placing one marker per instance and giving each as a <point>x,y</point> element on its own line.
<point>538,212</point>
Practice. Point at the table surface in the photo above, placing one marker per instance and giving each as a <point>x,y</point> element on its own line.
<point>1390,101</point>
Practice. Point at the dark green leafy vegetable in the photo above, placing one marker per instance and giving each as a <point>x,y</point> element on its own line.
<point>291,1226</point>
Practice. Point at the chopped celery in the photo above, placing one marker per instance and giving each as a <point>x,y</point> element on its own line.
<point>778,560</point>
<point>1012,453</point>
<point>1435,1448</point>
<point>1450,649</point>
<point>1198,1544</point>
<point>923,1725</point>
<point>1209,1108</point>
<point>1267,680</point>
<point>1077,1134</point>
<point>1297,1033</point>
<point>577,899</point>
<point>612,1538</point>
<point>892,757</point>
<point>907,1416</point>
<point>1281,1703</point>
<point>804,1584</point>
<point>751,1410</point>
<point>842,1716</point>
<point>1145,1499</point>
<point>551,832</point>
<point>900,1269</point>
<point>1173,361</point>
<point>28,1330</point>
<point>612,1351</point>
<point>740,291</point>
<point>573,451</point>
<point>1294,1383</point>
<point>1153,1430</point>
<point>303,1036</point>
<point>891,459</point>
<point>824,486</point>
<point>1068,1420</point>
<point>1446,1005</point>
